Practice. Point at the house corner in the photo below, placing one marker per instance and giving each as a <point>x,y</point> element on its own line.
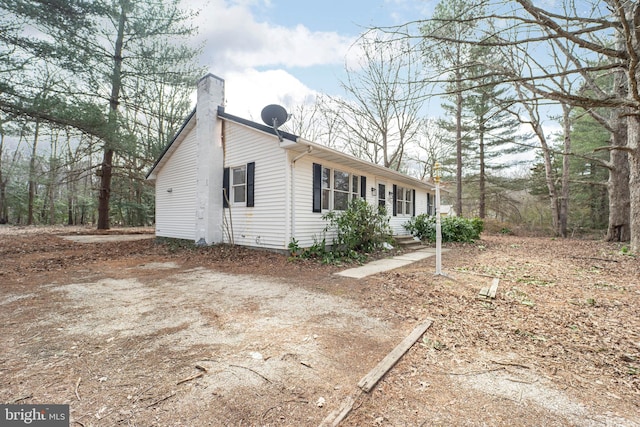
<point>209,162</point>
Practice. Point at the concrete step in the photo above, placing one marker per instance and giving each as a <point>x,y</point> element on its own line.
<point>408,243</point>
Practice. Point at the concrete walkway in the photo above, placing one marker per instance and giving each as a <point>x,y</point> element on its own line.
<point>386,264</point>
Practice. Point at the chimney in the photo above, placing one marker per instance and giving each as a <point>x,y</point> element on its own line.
<point>209,161</point>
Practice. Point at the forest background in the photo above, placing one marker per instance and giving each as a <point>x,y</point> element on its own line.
<point>92,91</point>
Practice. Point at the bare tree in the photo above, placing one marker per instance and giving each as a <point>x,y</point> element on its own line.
<point>601,39</point>
<point>384,95</point>
<point>318,121</point>
<point>591,37</point>
<point>430,148</point>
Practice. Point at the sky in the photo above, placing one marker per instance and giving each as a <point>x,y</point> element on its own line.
<point>286,51</point>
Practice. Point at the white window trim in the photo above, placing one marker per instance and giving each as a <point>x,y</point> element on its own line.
<point>233,185</point>
<point>401,199</point>
<point>331,190</point>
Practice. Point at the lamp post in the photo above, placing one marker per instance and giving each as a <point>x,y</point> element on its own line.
<point>438,225</point>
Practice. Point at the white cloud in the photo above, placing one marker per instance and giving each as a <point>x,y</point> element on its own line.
<point>248,92</point>
<point>257,59</point>
<point>235,40</point>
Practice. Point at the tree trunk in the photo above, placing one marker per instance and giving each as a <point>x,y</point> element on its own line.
<point>619,229</point>
<point>459,100</point>
<point>3,185</point>
<point>483,191</point>
<point>32,175</point>
<point>53,169</point>
<point>107,159</point>
<point>564,198</point>
<point>3,196</point>
<point>105,190</point>
<point>549,178</point>
<point>634,180</point>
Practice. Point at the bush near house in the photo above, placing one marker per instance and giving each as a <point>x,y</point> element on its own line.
<point>359,230</point>
<point>454,228</point>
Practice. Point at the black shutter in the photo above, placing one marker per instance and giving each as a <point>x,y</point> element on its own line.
<point>225,188</point>
<point>363,187</point>
<point>428,203</point>
<point>251,176</point>
<point>395,199</point>
<point>413,200</point>
<point>317,187</point>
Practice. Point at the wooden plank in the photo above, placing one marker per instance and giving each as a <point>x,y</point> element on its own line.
<point>338,415</point>
<point>371,379</point>
<point>484,292</point>
<point>494,288</point>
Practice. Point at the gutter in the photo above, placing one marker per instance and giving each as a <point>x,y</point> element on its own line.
<point>292,192</point>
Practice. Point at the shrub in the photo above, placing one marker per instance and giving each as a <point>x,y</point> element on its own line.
<point>361,228</point>
<point>454,228</point>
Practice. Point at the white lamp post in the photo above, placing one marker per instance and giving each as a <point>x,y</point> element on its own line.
<point>438,225</point>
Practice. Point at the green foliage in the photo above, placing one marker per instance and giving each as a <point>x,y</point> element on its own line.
<point>54,78</point>
<point>317,251</point>
<point>626,250</point>
<point>454,228</point>
<point>359,230</point>
<point>294,247</point>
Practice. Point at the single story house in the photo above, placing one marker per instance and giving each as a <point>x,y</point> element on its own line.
<point>226,179</point>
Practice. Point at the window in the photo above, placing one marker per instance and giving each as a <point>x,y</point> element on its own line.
<point>404,201</point>
<point>382,195</point>
<point>239,184</point>
<point>335,188</point>
<point>340,190</point>
<point>326,188</point>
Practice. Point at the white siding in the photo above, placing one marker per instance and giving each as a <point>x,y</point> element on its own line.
<point>274,219</point>
<point>309,225</point>
<point>175,210</point>
<point>264,224</point>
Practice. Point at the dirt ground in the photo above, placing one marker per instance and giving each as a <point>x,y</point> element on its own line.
<point>139,333</point>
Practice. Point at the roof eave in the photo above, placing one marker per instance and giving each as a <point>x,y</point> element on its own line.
<point>330,154</point>
<point>188,124</point>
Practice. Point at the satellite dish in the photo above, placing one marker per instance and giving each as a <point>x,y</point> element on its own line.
<point>274,115</point>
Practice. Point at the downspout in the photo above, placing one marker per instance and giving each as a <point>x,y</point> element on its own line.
<point>293,190</point>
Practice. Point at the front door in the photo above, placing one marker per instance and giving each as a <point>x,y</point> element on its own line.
<point>382,195</point>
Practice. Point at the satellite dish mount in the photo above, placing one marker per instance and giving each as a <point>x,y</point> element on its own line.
<point>275,116</point>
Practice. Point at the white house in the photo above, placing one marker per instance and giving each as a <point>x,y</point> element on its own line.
<point>277,185</point>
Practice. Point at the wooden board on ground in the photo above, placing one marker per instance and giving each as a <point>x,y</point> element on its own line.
<point>490,292</point>
<point>371,379</point>
<point>335,417</point>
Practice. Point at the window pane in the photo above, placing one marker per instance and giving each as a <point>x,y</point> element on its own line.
<point>399,205</point>
<point>239,176</point>
<point>355,188</point>
<point>340,201</point>
<point>239,193</point>
<point>326,178</point>
<point>408,197</point>
<point>325,198</point>
<point>408,209</point>
<point>382,192</point>
<point>341,181</point>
